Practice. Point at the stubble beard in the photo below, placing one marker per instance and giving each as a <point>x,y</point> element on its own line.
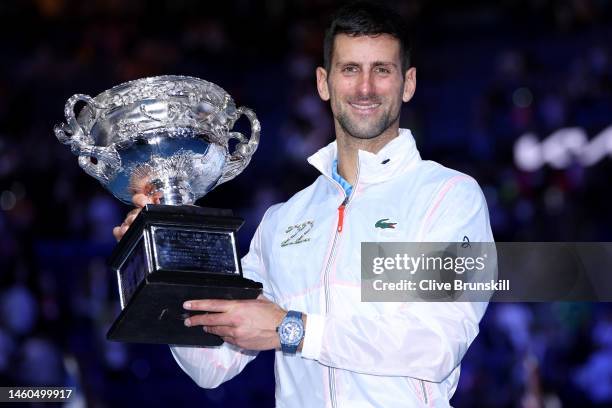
<point>365,131</point>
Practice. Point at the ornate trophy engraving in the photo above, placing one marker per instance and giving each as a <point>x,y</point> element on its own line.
<point>168,137</point>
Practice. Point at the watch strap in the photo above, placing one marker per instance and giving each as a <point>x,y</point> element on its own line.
<point>293,313</point>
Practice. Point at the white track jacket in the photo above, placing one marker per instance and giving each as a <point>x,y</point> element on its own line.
<point>306,252</point>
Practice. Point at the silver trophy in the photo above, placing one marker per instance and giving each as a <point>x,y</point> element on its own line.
<point>167,137</point>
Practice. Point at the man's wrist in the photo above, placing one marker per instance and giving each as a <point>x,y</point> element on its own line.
<point>277,323</point>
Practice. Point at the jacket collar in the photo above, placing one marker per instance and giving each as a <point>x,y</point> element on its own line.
<point>393,159</point>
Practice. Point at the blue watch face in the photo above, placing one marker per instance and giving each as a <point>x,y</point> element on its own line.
<point>291,331</point>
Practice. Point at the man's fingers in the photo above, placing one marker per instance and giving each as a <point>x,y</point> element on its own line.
<point>117,233</point>
<point>222,331</point>
<point>135,211</point>
<point>228,339</point>
<point>211,319</point>
<point>131,216</point>
<point>209,305</point>
<point>140,200</point>
<point>120,230</point>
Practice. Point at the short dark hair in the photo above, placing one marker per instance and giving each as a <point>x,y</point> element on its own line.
<point>366,18</point>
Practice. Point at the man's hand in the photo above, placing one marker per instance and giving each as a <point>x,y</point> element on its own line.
<point>139,200</point>
<point>249,324</point>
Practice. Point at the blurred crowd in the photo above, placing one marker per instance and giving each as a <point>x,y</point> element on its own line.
<point>487,74</point>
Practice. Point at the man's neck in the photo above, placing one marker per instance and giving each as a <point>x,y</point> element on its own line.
<point>349,146</point>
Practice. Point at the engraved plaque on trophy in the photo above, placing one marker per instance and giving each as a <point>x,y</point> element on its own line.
<point>167,137</point>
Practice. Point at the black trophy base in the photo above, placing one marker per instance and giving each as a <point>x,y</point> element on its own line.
<point>169,255</point>
<point>155,314</point>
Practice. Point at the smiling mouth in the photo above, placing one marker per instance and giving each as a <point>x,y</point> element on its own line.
<point>365,106</point>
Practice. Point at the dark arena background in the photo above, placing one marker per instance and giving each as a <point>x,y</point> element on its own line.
<point>516,94</point>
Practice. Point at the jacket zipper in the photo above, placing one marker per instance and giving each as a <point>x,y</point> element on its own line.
<point>341,215</point>
<point>332,255</point>
<point>339,228</point>
<point>425,398</point>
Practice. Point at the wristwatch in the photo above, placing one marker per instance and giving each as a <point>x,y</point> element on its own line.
<point>291,332</point>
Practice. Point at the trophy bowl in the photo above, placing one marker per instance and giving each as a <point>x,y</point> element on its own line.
<point>167,134</point>
<point>167,137</point>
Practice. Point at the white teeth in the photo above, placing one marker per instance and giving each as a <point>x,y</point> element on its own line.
<point>364,107</point>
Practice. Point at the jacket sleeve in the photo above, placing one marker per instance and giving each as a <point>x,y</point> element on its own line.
<point>424,340</point>
<point>209,367</point>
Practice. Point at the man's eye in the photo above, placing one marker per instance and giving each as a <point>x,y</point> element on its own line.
<point>350,69</point>
<point>383,70</point>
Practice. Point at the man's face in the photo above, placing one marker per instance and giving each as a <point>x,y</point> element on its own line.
<point>365,84</point>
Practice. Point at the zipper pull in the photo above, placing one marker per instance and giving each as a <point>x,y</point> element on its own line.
<point>341,214</point>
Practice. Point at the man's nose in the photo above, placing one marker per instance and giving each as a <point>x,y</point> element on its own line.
<point>365,84</point>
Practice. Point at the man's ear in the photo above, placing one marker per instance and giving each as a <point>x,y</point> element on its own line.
<point>409,84</point>
<point>322,83</point>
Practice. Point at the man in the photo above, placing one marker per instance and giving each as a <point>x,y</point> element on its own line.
<point>336,350</point>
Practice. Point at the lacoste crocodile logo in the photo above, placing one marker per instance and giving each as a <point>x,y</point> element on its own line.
<point>383,224</point>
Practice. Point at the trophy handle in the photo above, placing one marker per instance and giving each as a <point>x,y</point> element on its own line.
<point>102,163</point>
<point>244,149</point>
<point>98,161</point>
<point>71,118</point>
